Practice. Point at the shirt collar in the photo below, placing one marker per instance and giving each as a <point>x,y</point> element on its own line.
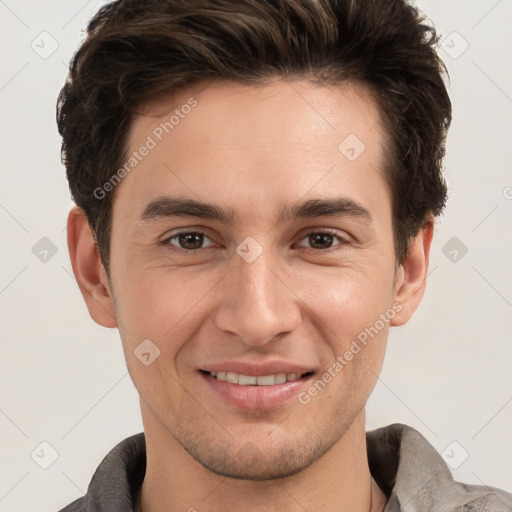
<point>417,479</point>
<point>403,463</point>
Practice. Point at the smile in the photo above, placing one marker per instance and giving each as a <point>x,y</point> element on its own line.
<point>254,392</point>
<point>252,380</point>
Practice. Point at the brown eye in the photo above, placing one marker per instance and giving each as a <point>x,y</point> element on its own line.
<point>187,240</point>
<point>322,240</point>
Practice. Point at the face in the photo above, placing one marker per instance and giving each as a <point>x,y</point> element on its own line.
<point>271,285</point>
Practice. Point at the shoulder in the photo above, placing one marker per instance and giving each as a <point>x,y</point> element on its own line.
<point>476,498</point>
<point>416,478</point>
<point>78,505</point>
<point>116,479</point>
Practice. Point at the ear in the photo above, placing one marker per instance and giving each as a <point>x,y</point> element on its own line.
<point>88,269</point>
<point>412,274</point>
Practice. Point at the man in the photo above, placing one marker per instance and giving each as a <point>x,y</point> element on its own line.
<point>256,186</point>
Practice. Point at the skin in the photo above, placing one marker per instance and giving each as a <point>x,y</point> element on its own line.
<point>253,150</point>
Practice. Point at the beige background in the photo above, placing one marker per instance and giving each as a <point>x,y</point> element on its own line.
<point>63,379</point>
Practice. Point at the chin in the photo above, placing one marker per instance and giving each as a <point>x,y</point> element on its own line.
<point>253,461</point>
<point>256,468</point>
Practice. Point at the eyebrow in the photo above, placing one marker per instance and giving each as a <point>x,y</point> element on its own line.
<point>167,207</point>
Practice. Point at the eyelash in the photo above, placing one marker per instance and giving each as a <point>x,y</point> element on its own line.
<point>342,241</point>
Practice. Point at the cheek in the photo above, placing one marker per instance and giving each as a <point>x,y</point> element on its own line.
<point>346,301</point>
<point>352,312</point>
<point>353,329</point>
<point>162,305</point>
<point>157,314</point>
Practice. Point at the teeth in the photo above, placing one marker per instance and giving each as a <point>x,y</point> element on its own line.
<point>250,380</point>
<point>280,378</point>
<point>232,377</point>
<point>266,380</point>
<point>245,380</point>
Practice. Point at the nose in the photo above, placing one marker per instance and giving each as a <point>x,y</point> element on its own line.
<point>258,304</point>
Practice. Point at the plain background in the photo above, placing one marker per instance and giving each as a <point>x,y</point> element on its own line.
<point>63,378</point>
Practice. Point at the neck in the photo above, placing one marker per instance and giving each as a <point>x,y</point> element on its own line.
<point>339,480</point>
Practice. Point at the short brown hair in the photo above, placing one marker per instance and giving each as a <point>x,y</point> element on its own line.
<point>136,51</point>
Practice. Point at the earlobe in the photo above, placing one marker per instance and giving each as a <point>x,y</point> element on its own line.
<point>412,274</point>
<point>88,269</point>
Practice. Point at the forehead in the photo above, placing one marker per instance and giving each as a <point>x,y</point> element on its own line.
<point>233,112</point>
<point>255,144</point>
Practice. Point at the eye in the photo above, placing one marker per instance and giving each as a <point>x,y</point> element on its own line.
<point>323,240</point>
<point>191,241</point>
<point>187,240</point>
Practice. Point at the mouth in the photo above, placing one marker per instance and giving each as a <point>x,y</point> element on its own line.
<point>253,380</point>
<point>248,391</point>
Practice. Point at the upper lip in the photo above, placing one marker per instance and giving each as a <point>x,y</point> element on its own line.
<point>257,369</point>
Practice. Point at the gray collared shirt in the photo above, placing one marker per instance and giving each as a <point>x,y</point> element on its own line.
<point>404,464</point>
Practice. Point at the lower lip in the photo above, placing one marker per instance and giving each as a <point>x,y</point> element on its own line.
<point>255,397</point>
